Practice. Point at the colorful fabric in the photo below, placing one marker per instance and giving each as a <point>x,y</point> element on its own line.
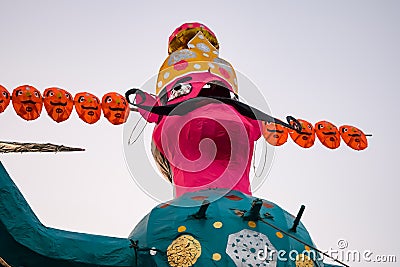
<point>210,147</point>
<point>200,56</point>
<point>25,241</point>
<point>182,35</point>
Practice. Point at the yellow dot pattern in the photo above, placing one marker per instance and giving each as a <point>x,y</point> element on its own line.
<point>216,256</point>
<point>181,228</point>
<point>252,224</point>
<point>217,225</point>
<point>201,56</point>
<point>279,234</point>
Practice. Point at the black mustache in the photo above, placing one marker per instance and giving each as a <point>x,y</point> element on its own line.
<point>91,108</point>
<point>354,135</point>
<point>275,131</point>
<point>28,102</point>
<point>58,103</point>
<point>116,109</point>
<point>197,102</point>
<point>329,133</point>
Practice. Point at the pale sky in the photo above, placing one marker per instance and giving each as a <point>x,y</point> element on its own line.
<point>315,60</point>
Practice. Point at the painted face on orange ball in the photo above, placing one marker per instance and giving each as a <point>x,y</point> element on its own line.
<point>353,137</point>
<point>115,108</point>
<point>88,107</point>
<point>58,103</point>
<point>328,134</point>
<point>275,134</point>
<point>27,102</point>
<point>306,138</point>
<point>4,98</point>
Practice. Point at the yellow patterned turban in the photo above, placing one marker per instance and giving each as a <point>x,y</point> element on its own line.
<point>199,56</point>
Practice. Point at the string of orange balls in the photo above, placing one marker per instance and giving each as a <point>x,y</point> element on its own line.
<point>59,103</point>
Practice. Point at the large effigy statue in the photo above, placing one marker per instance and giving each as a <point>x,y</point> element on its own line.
<point>203,143</point>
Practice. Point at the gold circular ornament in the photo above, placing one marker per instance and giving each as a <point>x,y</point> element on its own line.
<point>279,234</point>
<point>183,251</point>
<point>304,261</point>
<point>216,256</point>
<point>181,228</point>
<point>217,225</point>
<point>252,224</point>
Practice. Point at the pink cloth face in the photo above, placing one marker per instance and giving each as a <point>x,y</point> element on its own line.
<point>209,147</point>
<point>147,100</point>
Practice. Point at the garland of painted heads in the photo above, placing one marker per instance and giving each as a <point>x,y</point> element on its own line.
<point>59,103</point>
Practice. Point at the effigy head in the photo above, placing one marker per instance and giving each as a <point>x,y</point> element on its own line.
<point>58,103</point>
<point>205,146</point>
<point>204,136</point>
<point>115,108</point>
<point>4,98</point>
<point>196,70</point>
<point>88,107</point>
<point>27,102</point>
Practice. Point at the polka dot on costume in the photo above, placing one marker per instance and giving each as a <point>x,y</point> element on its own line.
<point>206,55</point>
<point>203,47</point>
<point>191,46</point>
<point>217,225</point>
<point>166,75</point>
<point>180,55</point>
<point>233,197</point>
<point>181,228</point>
<point>199,197</point>
<point>211,65</point>
<point>153,251</point>
<point>279,234</point>
<point>181,65</point>
<point>197,66</point>
<point>159,84</point>
<point>163,206</point>
<point>224,73</point>
<point>252,224</point>
<point>216,256</point>
<point>307,248</point>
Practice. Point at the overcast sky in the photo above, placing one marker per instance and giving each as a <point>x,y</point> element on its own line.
<point>315,60</point>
